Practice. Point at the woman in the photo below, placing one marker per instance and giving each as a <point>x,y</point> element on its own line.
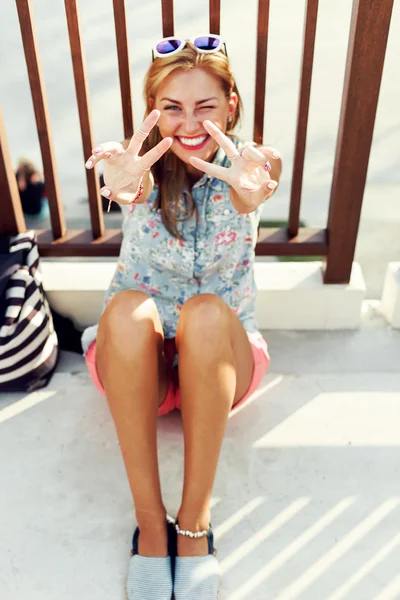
<point>178,330</point>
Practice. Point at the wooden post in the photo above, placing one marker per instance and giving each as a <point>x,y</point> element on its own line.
<point>365,59</point>
<point>302,116</point>
<point>42,117</point>
<point>167,9</point>
<point>82,96</point>
<point>215,16</point>
<point>124,66</point>
<point>11,216</point>
<point>261,67</point>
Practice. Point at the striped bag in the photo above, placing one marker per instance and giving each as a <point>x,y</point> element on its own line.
<point>28,342</point>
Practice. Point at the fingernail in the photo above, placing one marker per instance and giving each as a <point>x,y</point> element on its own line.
<point>105,192</point>
<point>276,154</point>
<point>89,164</point>
<point>97,150</point>
<point>272,185</point>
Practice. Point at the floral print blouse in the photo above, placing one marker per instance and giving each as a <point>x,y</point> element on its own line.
<point>215,257</point>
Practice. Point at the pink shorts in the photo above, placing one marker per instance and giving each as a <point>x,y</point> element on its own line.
<point>261,364</point>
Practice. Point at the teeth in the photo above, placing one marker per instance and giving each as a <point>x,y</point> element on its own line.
<point>193,141</point>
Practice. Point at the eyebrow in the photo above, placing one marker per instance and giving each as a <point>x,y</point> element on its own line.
<point>198,102</point>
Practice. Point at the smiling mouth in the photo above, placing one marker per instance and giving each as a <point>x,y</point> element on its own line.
<point>194,143</point>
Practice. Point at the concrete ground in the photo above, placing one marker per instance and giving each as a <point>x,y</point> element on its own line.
<point>306,504</point>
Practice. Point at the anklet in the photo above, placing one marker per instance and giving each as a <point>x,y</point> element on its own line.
<point>191,534</point>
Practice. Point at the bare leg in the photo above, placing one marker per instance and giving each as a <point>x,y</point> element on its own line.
<point>132,370</point>
<point>215,370</point>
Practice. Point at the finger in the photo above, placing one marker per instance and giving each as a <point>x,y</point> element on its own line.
<point>271,185</point>
<point>104,151</point>
<point>142,133</point>
<point>121,198</point>
<point>222,140</point>
<point>153,155</point>
<point>269,151</point>
<point>209,168</point>
<point>251,153</point>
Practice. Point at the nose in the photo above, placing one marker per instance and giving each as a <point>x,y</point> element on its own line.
<point>192,124</point>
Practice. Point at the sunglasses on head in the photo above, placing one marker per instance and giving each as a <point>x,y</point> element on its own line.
<point>205,44</point>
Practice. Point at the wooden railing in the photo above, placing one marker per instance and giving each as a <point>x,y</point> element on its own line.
<point>367,46</point>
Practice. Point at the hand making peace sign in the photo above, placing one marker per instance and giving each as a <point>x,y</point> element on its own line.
<point>124,169</point>
<point>248,174</point>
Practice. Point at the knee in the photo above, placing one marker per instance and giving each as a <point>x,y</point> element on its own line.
<point>204,317</point>
<point>129,312</point>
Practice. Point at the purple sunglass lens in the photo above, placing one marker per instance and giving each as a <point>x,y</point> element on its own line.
<point>207,43</point>
<point>168,46</point>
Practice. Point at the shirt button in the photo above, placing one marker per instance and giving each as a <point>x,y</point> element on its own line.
<point>226,211</point>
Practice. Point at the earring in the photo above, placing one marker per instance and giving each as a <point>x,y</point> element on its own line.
<point>230,119</point>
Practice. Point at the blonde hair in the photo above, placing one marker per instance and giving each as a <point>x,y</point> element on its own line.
<point>170,172</point>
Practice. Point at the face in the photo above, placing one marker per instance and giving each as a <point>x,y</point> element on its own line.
<point>185,100</point>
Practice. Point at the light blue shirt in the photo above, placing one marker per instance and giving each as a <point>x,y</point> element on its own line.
<point>215,257</point>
